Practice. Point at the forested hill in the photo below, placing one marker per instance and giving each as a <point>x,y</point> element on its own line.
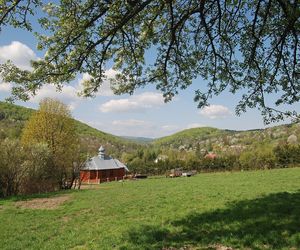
<point>13,118</point>
<point>139,139</point>
<point>217,139</point>
<point>191,136</point>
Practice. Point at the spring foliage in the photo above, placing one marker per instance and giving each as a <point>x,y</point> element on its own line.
<point>240,46</point>
<point>53,125</point>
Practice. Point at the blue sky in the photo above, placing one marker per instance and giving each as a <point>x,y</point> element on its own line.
<point>142,114</point>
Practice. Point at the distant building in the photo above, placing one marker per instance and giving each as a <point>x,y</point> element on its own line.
<point>102,168</point>
<point>161,158</point>
<point>210,155</point>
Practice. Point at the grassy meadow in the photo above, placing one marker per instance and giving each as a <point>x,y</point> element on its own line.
<point>242,210</point>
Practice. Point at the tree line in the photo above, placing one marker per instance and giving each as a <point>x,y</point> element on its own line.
<point>159,161</point>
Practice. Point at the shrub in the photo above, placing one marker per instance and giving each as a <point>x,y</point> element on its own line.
<point>287,154</point>
<point>12,170</point>
<point>259,158</point>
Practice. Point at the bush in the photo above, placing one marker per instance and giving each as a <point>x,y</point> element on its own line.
<point>259,158</point>
<point>40,172</point>
<point>12,170</point>
<point>287,154</point>
<point>26,170</point>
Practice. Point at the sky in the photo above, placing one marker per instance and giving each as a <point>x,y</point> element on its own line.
<point>143,114</point>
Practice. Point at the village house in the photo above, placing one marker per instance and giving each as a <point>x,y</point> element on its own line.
<point>102,168</point>
<point>161,158</point>
<point>210,155</point>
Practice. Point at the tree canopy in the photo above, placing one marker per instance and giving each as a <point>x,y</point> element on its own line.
<point>240,46</point>
<point>53,125</point>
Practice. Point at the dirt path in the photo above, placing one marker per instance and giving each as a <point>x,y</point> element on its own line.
<point>44,203</point>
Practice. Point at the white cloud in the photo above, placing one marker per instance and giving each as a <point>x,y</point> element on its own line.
<point>170,128</point>
<point>5,87</point>
<point>135,103</point>
<point>67,95</point>
<point>149,99</point>
<point>134,127</point>
<point>72,105</point>
<point>19,53</point>
<point>215,111</point>
<point>111,73</point>
<point>129,127</point>
<point>120,106</point>
<point>194,125</point>
<point>130,123</point>
<point>67,92</point>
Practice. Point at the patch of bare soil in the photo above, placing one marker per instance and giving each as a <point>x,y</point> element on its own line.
<point>44,203</point>
<point>221,247</point>
<point>65,219</point>
<point>182,248</point>
<point>210,247</point>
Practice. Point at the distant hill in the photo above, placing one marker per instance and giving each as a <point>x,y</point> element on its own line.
<point>189,136</point>
<point>213,139</point>
<point>13,118</point>
<point>138,139</point>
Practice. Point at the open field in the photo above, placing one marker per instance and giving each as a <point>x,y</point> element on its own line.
<point>242,210</point>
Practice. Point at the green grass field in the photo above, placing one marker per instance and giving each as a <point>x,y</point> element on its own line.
<point>245,210</point>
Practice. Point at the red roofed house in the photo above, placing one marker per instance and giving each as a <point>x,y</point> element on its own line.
<point>102,168</point>
<point>210,155</point>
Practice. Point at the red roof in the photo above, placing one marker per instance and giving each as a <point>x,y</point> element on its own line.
<point>210,156</point>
